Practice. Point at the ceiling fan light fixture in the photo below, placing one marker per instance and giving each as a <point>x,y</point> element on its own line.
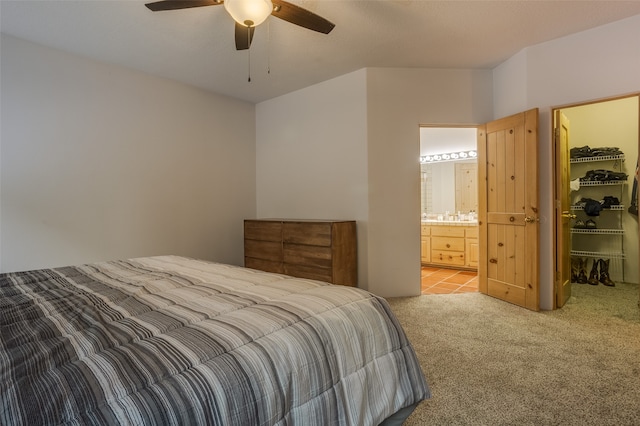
<point>249,13</point>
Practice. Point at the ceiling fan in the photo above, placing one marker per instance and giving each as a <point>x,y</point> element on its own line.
<point>250,13</point>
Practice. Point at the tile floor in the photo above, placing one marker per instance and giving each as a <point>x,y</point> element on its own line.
<point>448,281</point>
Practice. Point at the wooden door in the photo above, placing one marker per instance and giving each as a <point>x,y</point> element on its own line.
<point>508,209</point>
<point>563,213</point>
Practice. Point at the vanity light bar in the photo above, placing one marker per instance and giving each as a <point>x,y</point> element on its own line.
<point>448,156</point>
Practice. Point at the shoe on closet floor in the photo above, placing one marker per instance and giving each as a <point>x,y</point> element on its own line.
<point>593,275</point>
<point>604,273</point>
<point>582,273</point>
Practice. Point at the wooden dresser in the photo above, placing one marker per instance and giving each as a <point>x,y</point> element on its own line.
<point>317,249</point>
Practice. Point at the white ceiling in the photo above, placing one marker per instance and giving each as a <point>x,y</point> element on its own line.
<point>196,46</point>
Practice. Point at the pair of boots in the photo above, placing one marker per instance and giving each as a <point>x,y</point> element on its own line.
<point>579,271</point>
<point>604,273</point>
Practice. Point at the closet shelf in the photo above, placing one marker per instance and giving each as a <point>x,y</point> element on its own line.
<point>618,207</point>
<point>602,183</point>
<point>597,158</point>
<point>597,231</point>
<point>604,242</point>
<point>598,254</point>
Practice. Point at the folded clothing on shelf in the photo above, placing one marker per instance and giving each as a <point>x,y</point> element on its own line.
<point>593,207</point>
<point>602,175</point>
<point>605,151</point>
<point>580,152</point>
<point>586,151</point>
<point>609,201</point>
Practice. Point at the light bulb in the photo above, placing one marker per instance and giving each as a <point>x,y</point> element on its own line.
<point>249,13</point>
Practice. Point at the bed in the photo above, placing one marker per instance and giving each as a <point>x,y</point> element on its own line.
<point>169,340</point>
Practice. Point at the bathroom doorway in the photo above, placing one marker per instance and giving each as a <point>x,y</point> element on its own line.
<point>449,202</point>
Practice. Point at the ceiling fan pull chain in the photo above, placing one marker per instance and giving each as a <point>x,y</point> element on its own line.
<point>249,53</point>
<point>268,46</point>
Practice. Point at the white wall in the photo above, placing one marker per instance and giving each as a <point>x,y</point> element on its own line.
<point>311,153</point>
<point>593,64</point>
<point>100,162</point>
<point>510,86</point>
<point>368,123</point>
<point>350,147</point>
<point>398,102</point>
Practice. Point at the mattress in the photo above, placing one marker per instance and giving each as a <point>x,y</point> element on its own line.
<point>170,340</point>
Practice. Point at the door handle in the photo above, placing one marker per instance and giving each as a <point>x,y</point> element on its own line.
<point>568,215</point>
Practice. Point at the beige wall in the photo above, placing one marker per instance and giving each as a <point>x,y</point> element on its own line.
<point>100,162</point>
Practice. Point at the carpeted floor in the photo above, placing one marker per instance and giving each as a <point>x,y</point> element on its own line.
<point>491,363</point>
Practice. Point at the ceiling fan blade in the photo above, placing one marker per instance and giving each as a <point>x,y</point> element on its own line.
<point>301,17</point>
<point>180,4</point>
<point>244,36</point>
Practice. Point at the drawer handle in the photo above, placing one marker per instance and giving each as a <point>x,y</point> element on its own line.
<point>493,260</point>
<point>448,246</point>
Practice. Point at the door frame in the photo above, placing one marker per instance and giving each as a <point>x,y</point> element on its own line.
<point>557,262</point>
<point>475,148</point>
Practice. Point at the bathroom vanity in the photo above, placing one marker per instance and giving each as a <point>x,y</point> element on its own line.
<point>450,243</point>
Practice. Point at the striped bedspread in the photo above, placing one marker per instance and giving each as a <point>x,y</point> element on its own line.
<point>175,341</point>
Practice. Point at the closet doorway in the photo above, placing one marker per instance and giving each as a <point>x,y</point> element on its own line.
<point>449,202</point>
<point>596,153</point>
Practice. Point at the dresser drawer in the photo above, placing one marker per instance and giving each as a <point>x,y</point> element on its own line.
<point>264,265</point>
<point>442,243</point>
<point>323,250</point>
<point>313,234</point>
<point>300,254</point>
<point>447,231</point>
<point>263,230</point>
<point>310,272</point>
<point>266,250</point>
<point>447,257</point>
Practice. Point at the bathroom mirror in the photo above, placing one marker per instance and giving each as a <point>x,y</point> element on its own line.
<point>450,186</point>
